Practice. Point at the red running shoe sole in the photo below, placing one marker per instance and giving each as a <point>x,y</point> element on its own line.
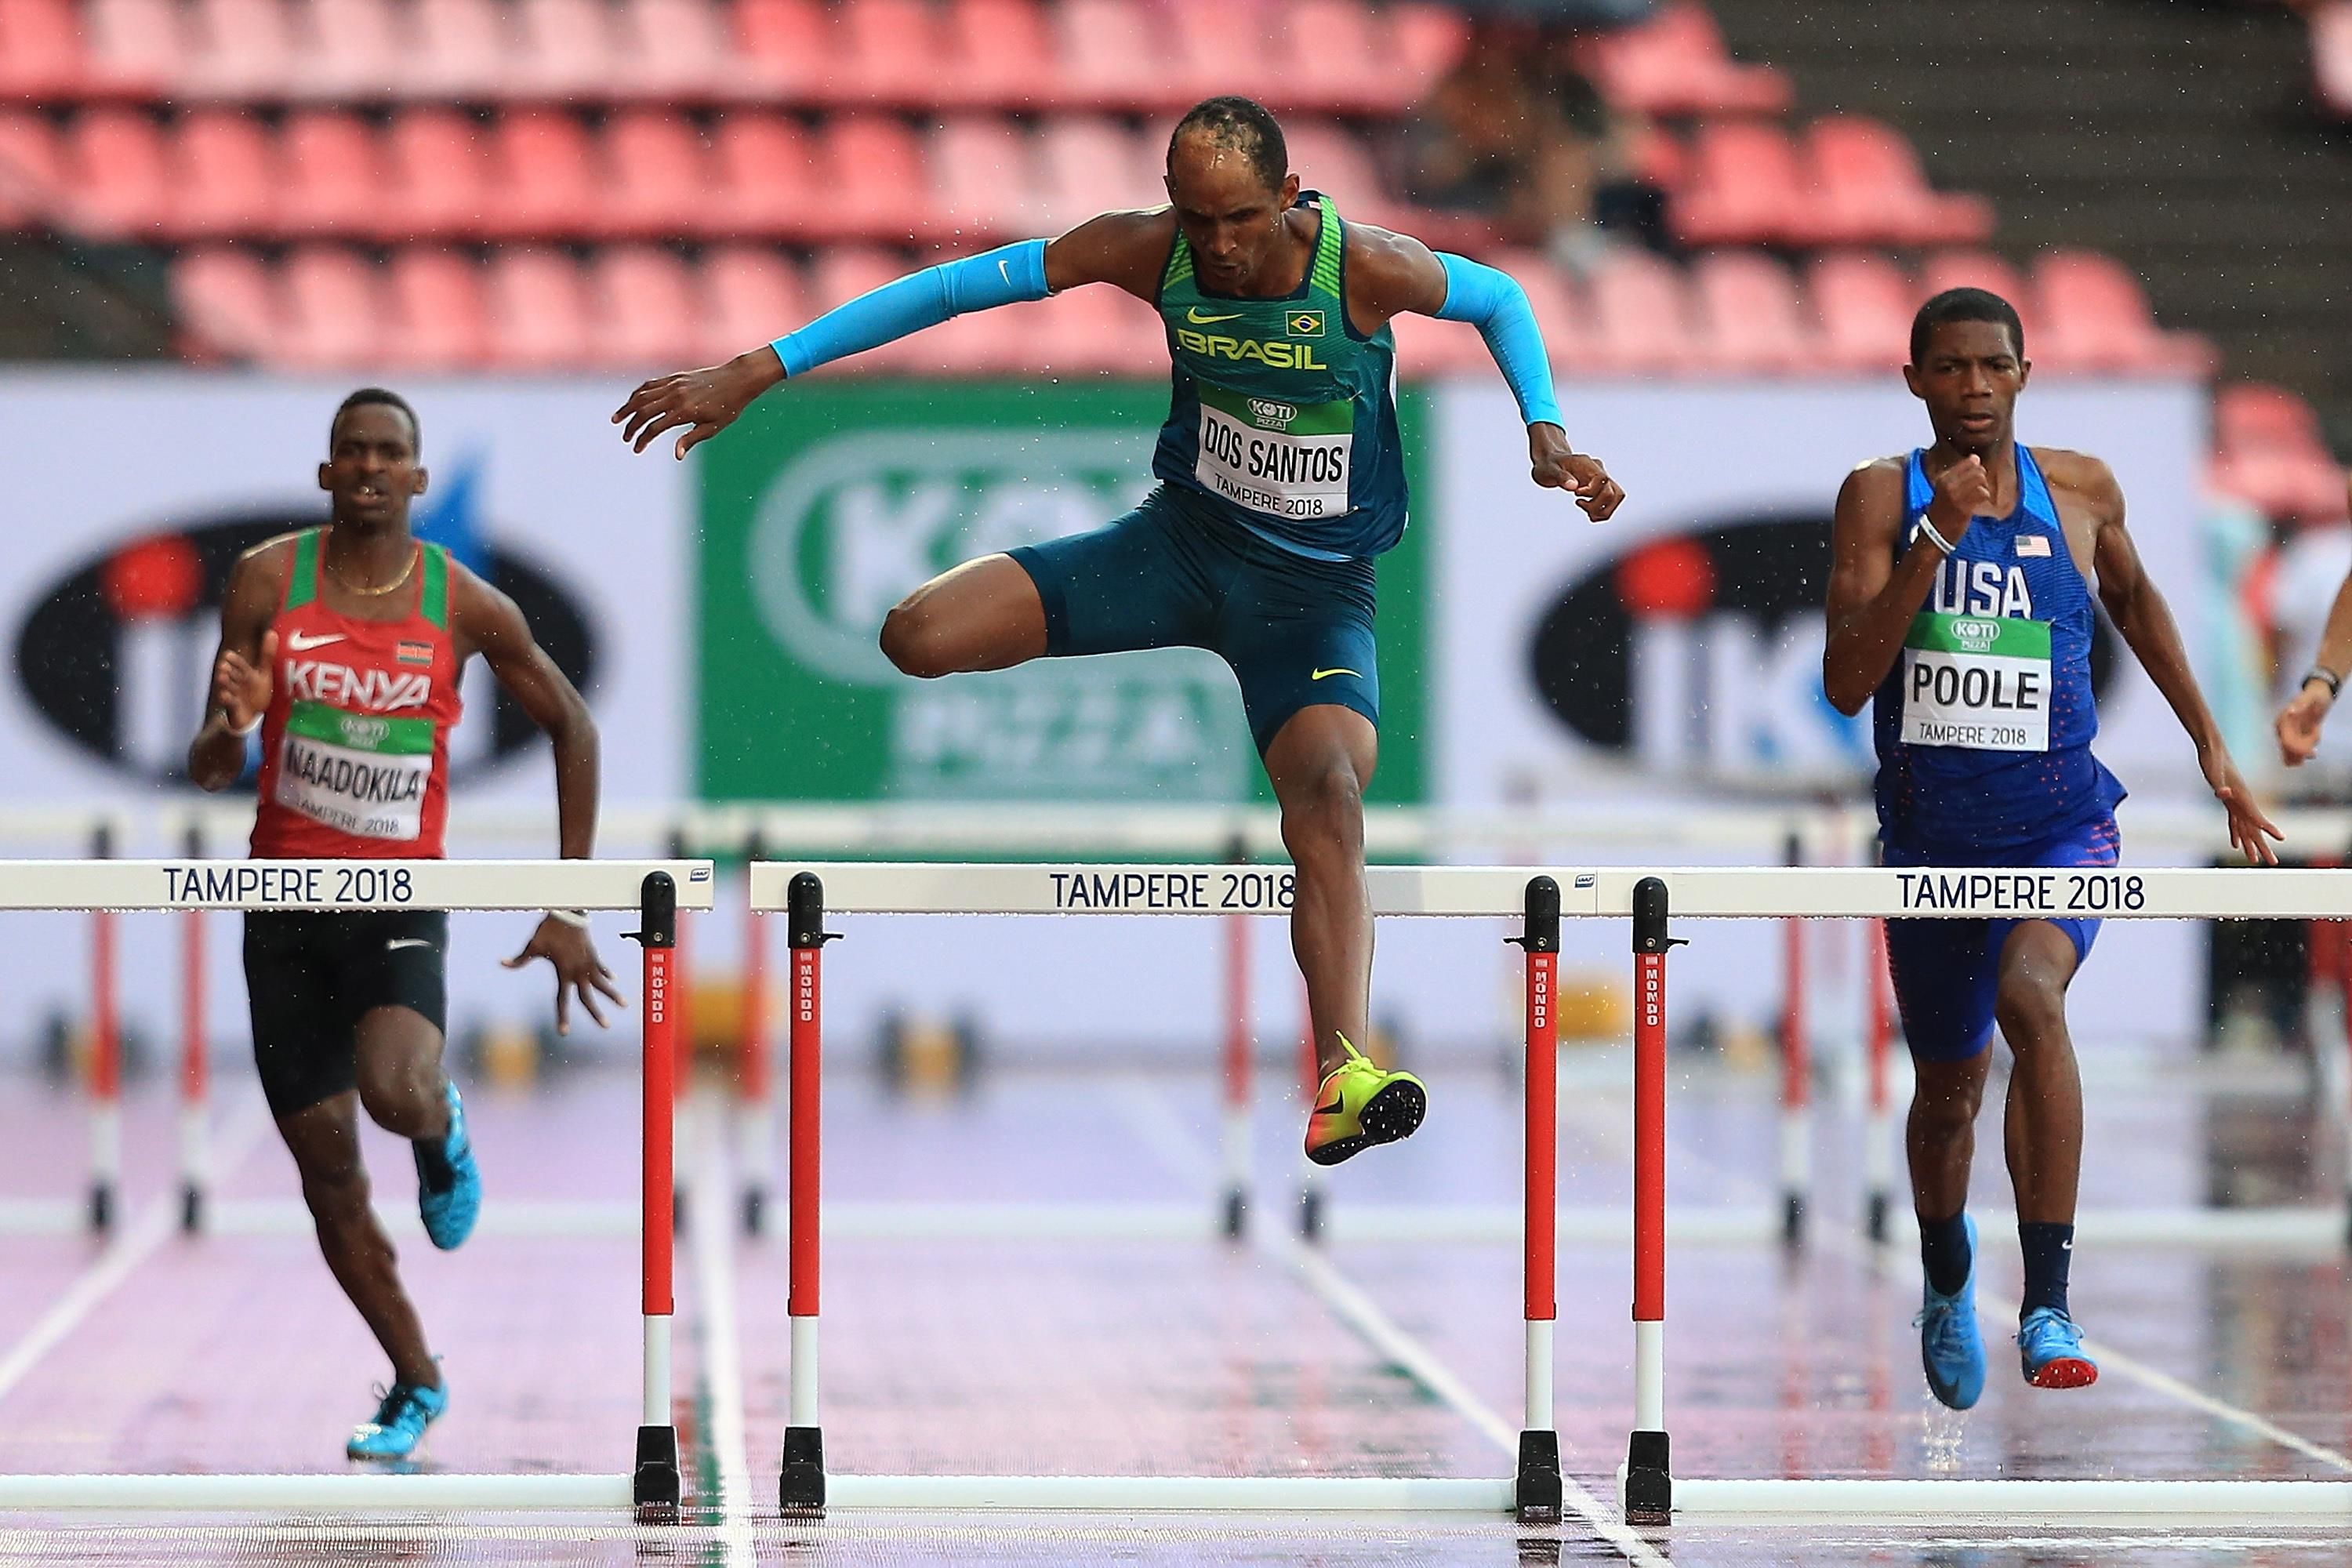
<point>2066,1372</point>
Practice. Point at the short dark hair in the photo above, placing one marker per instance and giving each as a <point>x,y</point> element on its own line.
<point>1243,124</point>
<point>382,396</point>
<point>1965,305</point>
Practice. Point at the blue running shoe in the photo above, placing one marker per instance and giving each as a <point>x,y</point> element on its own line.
<point>2050,1350</point>
<point>448,1184</point>
<point>401,1418</point>
<point>1950,1349</point>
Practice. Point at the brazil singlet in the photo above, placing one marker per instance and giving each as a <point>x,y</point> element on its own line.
<point>355,741</point>
<point>1983,727</point>
<point>1282,415</point>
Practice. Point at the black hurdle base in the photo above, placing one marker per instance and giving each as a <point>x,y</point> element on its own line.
<point>1792,1219</point>
<point>1878,1219</point>
<point>800,1487</point>
<point>654,1485</point>
<point>1310,1213</point>
<point>192,1208</point>
<point>1537,1495</point>
<point>1649,1479</point>
<point>755,1212</point>
<point>102,1207</point>
<point>1236,1213</point>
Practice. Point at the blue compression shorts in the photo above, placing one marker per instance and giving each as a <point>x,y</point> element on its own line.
<point>1295,631</point>
<point>1948,973</point>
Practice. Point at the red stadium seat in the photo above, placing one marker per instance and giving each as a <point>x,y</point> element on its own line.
<point>2094,316</point>
<point>1228,46</point>
<point>658,178</point>
<point>334,311</point>
<point>750,295</point>
<point>538,310</point>
<point>1567,329</point>
<point>1866,304</point>
<point>245,48</point>
<point>1640,317</point>
<point>32,169</point>
<point>1869,190</point>
<point>2331,56</point>
<point>136,46</point>
<point>842,273</point>
<point>679,49</point>
<point>1977,269</point>
<point>1428,347</point>
<point>439,320</point>
<point>1745,186</point>
<point>463,50</point>
<point>356,49</point>
<point>42,54</point>
<point>1429,41</point>
<point>985,179</point>
<point>2255,413</point>
<point>566,49</point>
<point>546,185</point>
<point>120,181</point>
<point>1327,158</point>
<point>1002,54</point>
<point>1350,62</point>
<point>334,175</point>
<point>1094,331</point>
<point>225,176</point>
<point>766,174</point>
<point>641,309</point>
<point>788,46</point>
<point>1111,58</point>
<point>226,304</point>
<point>893,53</point>
<point>1092,165</point>
<point>1676,63</point>
<point>873,182</point>
<point>1756,323</point>
<point>440,175</point>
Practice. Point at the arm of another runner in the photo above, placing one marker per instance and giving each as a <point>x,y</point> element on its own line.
<point>2299,721</point>
<point>1117,248</point>
<point>241,674</point>
<point>1873,596</point>
<point>1391,274</point>
<point>483,620</point>
<point>2139,612</point>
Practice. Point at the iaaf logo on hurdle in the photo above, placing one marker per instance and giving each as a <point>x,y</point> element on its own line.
<point>115,653</point>
<point>1698,650</point>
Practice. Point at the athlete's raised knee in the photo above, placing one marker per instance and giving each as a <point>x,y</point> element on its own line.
<point>2030,1010</point>
<point>1325,805</point>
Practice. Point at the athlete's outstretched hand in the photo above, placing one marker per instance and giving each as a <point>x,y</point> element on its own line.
<point>577,969</point>
<point>2299,721</point>
<point>705,401</point>
<point>2247,823</point>
<point>1553,466</point>
<point>241,690</point>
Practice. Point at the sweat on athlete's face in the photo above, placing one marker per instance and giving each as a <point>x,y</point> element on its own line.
<point>372,465</point>
<point>1968,375</point>
<point>1230,216</point>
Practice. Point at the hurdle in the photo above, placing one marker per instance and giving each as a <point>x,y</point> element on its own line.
<point>809,893</point>
<point>1649,1492</point>
<point>656,890</point>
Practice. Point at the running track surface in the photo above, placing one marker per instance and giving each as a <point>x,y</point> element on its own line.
<point>1150,1353</point>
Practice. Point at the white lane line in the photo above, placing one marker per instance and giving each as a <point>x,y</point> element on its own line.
<point>709,1229</point>
<point>1855,1252</point>
<point>130,1247</point>
<point>1159,1129</point>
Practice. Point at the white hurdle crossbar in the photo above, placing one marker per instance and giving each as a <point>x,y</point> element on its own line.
<point>655,889</point>
<point>1648,1491</point>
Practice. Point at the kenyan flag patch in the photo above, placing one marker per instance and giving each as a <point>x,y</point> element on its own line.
<point>413,653</point>
<point>1303,324</point>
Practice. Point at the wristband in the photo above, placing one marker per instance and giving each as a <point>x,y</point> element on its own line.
<point>2326,676</point>
<point>1935,536</point>
<point>576,918</point>
<point>249,729</point>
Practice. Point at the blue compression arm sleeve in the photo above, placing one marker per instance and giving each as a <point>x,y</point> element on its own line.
<point>1493,302</point>
<point>919,300</point>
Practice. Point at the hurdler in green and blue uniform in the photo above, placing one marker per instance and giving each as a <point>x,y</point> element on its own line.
<point>1281,481</point>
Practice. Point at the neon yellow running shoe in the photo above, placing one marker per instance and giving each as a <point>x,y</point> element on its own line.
<point>1359,1106</point>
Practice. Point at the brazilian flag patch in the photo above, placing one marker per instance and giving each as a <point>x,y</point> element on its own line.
<point>1304,324</point>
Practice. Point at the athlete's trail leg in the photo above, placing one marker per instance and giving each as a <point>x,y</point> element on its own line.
<point>2042,1123</point>
<point>1319,764</point>
<point>324,1139</point>
<point>982,615</point>
<point>402,1086</point>
<point>1940,1136</point>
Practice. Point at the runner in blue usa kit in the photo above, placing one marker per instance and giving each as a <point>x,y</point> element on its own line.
<point>1959,606</point>
<point>1280,478</point>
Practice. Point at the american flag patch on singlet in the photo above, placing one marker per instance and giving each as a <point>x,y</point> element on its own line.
<point>2033,544</point>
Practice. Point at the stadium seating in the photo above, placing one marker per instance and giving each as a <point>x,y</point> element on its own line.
<point>1864,303</point>
<point>1752,312</point>
<point>333,309</point>
<point>2268,452</point>
<point>439,317</point>
<point>1675,64</point>
<point>32,170</point>
<point>2331,56</point>
<point>1868,189</point>
<point>2095,317</point>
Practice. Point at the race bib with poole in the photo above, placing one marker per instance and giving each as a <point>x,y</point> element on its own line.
<point>1285,459</point>
<point>1982,682</point>
<point>355,772</point>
